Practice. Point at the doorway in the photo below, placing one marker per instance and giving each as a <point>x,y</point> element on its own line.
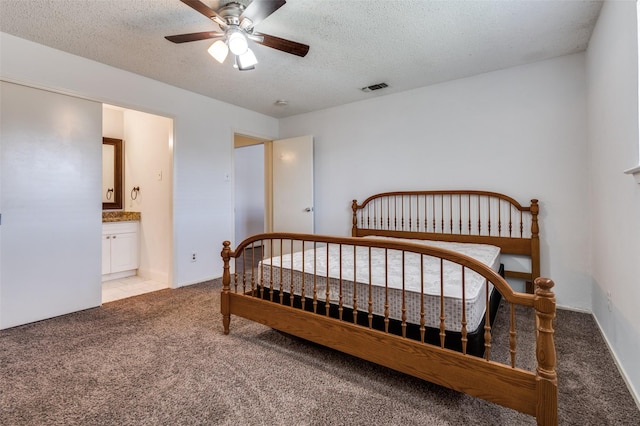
<point>250,199</point>
<point>148,190</point>
<point>273,188</point>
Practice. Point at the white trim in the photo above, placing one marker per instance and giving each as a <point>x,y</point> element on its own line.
<point>572,309</point>
<point>634,395</point>
<point>199,281</point>
<point>119,275</point>
<point>635,171</point>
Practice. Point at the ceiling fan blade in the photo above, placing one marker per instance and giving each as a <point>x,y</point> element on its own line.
<point>206,11</point>
<point>258,10</point>
<point>183,38</point>
<point>282,44</point>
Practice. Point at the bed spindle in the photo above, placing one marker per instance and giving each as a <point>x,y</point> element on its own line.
<point>281,271</point>
<point>340,308</point>
<point>395,212</point>
<point>404,306</point>
<point>244,272</point>
<point>499,218</point>
<point>422,321</point>
<point>327,305</point>
<point>469,214</point>
<point>417,213</point>
<point>489,215</point>
<point>487,323</point>
<point>315,278</point>
<point>235,275</point>
<point>370,312</point>
<point>451,214</point>
<point>512,334</point>
<point>463,323</point>
<point>355,286</point>
<point>386,290</point>
<point>410,211</point>
<point>479,218</point>
<point>521,226</point>
<point>402,212</point>
<point>442,317</point>
<point>510,227</point>
<point>302,299</point>
<point>426,215</point>
<point>253,270</point>
<point>460,213</point>
<point>442,214</point>
<point>433,212</point>
<point>270,273</point>
<point>388,212</point>
<point>253,263</point>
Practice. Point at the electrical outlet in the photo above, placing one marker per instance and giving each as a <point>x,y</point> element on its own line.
<point>194,256</point>
<point>609,300</point>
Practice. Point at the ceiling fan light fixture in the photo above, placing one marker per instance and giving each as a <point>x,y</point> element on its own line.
<point>237,41</point>
<point>219,51</point>
<point>247,61</point>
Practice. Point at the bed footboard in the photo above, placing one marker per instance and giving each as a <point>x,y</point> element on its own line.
<point>335,303</point>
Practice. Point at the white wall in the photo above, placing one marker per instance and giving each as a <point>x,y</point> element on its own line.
<point>112,123</point>
<point>203,142</point>
<point>249,191</point>
<point>520,131</point>
<point>612,66</point>
<point>148,165</point>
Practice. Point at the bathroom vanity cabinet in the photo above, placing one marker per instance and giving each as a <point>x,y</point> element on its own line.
<point>120,249</point>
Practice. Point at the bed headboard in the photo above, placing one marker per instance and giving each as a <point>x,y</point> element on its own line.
<point>457,215</point>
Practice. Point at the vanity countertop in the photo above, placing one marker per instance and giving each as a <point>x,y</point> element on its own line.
<point>120,216</point>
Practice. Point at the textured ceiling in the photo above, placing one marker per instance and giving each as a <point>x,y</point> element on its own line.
<point>404,43</point>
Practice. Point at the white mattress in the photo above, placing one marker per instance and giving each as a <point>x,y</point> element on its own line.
<point>303,271</point>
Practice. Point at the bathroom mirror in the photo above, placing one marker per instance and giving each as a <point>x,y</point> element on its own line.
<point>111,174</point>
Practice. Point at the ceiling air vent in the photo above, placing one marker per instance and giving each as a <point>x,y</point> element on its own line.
<point>374,87</point>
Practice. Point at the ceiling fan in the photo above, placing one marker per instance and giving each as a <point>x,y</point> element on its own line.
<point>237,23</point>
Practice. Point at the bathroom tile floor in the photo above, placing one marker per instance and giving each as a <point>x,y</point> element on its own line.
<point>127,287</point>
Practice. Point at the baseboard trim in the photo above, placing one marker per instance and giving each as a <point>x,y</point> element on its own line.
<point>569,308</point>
<point>201,280</point>
<point>161,277</point>
<point>632,391</point>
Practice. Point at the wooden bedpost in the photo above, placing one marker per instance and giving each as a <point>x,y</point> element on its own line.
<point>535,245</point>
<point>546,377</point>
<point>226,287</point>
<point>354,220</point>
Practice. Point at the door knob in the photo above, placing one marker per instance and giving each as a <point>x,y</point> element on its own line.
<point>308,209</point>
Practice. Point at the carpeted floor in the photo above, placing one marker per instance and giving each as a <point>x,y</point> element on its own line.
<point>162,359</point>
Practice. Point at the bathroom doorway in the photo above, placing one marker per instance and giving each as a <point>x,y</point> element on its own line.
<point>147,190</point>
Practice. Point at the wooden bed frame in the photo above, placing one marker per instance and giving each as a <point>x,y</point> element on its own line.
<point>459,216</point>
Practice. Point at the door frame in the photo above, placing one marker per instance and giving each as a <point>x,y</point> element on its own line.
<point>241,139</point>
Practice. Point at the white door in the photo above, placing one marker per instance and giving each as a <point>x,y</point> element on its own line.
<point>51,149</point>
<point>292,161</point>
